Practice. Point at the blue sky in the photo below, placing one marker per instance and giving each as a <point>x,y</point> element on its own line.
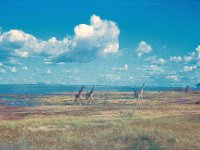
<point>107,42</point>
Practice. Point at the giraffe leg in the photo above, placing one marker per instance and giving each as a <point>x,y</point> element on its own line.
<point>90,100</point>
<point>87,99</point>
<point>80,101</point>
<point>138,103</point>
<point>75,100</point>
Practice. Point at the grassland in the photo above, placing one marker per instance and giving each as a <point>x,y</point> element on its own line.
<point>164,120</point>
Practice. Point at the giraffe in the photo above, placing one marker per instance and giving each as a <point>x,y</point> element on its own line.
<point>139,94</point>
<point>89,95</point>
<point>78,96</point>
<point>187,88</point>
<point>135,92</point>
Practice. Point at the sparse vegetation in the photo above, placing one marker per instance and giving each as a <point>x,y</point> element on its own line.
<point>165,120</point>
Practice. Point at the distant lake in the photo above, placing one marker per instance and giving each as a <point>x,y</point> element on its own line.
<point>24,94</point>
<point>40,89</point>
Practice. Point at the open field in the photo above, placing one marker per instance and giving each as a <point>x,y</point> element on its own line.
<point>163,120</point>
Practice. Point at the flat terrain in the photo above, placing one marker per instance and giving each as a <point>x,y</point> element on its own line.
<point>162,120</point>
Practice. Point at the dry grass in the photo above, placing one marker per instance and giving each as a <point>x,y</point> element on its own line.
<point>165,120</point>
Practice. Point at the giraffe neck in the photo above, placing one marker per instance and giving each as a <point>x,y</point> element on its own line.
<point>80,90</point>
<point>142,89</point>
<point>92,90</point>
<point>135,90</point>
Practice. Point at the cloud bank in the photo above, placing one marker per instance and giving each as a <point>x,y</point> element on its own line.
<point>89,42</point>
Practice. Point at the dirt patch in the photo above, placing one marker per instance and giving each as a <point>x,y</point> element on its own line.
<point>183,101</point>
<point>13,112</point>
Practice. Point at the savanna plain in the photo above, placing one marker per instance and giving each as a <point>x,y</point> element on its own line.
<point>168,120</point>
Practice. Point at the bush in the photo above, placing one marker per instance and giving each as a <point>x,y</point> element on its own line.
<point>144,142</point>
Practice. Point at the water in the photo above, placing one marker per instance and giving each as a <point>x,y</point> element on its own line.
<point>24,94</point>
<point>41,89</point>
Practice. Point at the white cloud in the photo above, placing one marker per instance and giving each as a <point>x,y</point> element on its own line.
<point>13,61</point>
<point>189,68</point>
<point>13,69</point>
<point>69,71</point>
<point>48,71</point>
<point>48,62</point>
<point>125,68</point>
<point>198,51</point>
<point>142,48</point>
<point>60,63</point>
<point>84,31</point>
<point>161,61</point>
<point>21,53</point>
<point>112,76</point>
<point>176,58</point>
<point>155,60</point>
<point>97,39</point>
<point>150,59</point>
<point>172,77</point>
<point>24,68</point>
<point>155,68</point>
<point>189,57</point>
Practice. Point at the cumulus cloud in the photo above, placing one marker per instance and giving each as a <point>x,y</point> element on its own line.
<point>48,71</point>
<point>71,71</point>
<point>112,76</point>
<point>155,60</point>
<point>60,63</point>
<point>16,43</point>
<point>13,69</point>
<point>172,77</point>
<point>13,61</point>
<point>155,68</point>
<point>189,57</point>
<point>124,68</point>
<point>176,58</point>
<point>97,39</point>
<point>198,51</point>
<point>5,68</point>
<point>25,68</point>
<point>189,68</point>
<point>48,62</point>
<point>142,48</point>
<point>161,61</point>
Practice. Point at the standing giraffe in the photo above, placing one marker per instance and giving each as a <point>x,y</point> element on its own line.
<point>135,92</point>
<point>139,94</point>
<point>89,95</point>
<point>78,96</point>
